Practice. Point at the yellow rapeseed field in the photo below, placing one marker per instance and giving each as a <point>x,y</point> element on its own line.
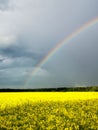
<point>49,111</point>
<point>14,98</point>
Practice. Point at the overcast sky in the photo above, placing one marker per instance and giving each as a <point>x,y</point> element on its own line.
<point>29,29</point>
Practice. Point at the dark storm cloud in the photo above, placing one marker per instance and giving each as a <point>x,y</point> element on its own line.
<point>77,62</point>
<point>14,76</point>
<point>20,51</point>
<point>17,56</point>
<point>33,28</point>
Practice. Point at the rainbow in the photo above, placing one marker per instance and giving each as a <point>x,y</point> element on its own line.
<point>58,46</point>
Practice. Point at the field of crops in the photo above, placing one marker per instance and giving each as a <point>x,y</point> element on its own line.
<point>49,111</point>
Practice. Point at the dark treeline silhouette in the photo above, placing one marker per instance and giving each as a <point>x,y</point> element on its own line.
<point>63,89</point>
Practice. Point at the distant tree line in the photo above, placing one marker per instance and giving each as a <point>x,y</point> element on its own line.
<point>62,89</point>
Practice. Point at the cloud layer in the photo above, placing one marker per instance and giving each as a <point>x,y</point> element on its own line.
<point>30,29</point>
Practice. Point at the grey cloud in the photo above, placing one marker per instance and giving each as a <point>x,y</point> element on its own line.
<point>13,76</point>
<point>76,62</point>
<point>12,62</point>
<point>38,26</point>
<point>4,4</point>
<point>19,51</point>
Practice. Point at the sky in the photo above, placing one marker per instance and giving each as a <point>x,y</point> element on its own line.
<point>30,29</point>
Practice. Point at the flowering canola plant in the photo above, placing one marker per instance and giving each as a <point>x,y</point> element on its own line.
<point>12,99</point>
<point>49,111</point>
